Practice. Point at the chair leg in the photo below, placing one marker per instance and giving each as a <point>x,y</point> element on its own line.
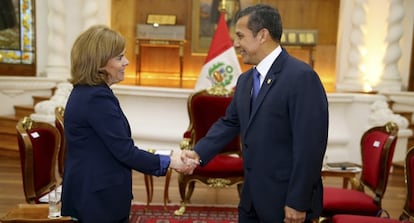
<point>185,197</point>
<point>166,188</point>
<point>239,188</point>
<point>190,191</point>
<point>149,186</point>
<point>180,211</point>
<point>182,186</point>
<point>404,217</point>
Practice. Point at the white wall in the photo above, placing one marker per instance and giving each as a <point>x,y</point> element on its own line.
<point>74,15</point>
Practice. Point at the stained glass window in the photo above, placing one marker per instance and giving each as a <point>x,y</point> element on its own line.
<point>17,32</point>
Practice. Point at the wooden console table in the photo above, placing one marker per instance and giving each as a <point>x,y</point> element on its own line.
<point>159,43</point>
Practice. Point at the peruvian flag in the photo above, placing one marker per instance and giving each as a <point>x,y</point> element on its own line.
<point>221,66</point>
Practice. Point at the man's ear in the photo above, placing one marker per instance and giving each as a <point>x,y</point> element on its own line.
<point>264,35</point>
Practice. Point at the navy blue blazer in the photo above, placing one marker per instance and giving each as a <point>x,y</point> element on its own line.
<point>284,137</point>
<point>97,182</point>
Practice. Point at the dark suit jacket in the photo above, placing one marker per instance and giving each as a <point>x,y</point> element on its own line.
<point>97,183</point>
<point>284,139</point>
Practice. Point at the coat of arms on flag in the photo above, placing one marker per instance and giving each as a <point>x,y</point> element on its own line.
<point>222,67</point>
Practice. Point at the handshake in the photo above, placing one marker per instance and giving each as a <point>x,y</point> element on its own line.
<point>184,162</point>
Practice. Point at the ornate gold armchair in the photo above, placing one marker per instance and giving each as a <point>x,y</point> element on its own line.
<point>204,108</point>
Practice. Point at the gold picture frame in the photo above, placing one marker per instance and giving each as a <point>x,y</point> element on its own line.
<point>161,19</point>
<point>205,16</point>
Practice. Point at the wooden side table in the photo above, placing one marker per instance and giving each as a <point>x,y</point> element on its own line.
<point>32,213</point>
<point>149,182</point>
<point>148,43</point>
<point>347,175</point>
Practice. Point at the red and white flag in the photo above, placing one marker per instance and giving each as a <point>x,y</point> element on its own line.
<point>221,66</point>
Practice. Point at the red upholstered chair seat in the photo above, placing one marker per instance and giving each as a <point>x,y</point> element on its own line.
<point>221,166</point>
<point>347,201</point>
<point>362,219</point>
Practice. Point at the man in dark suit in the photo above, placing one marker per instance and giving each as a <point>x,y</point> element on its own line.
<point>283,131</point>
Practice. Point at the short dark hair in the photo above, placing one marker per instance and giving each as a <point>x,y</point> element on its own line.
<point>263,16</point>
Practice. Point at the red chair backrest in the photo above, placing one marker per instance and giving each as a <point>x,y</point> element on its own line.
<point>205,109</point>
<point>377,151</point>
<point>38,147</point>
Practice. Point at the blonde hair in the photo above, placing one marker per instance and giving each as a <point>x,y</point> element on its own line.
<point>91,51</point>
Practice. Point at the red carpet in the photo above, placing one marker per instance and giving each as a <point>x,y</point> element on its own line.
<point>194,214</point>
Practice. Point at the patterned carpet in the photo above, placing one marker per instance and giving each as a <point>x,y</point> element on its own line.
<point>194,214</point>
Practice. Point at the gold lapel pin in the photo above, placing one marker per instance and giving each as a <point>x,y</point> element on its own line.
<point>269,81</point>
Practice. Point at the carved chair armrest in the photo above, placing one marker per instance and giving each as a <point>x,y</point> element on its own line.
<point>356,184</point>
<point>186,144</point>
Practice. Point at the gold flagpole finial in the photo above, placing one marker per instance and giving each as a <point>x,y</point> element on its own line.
<point>222,5</point>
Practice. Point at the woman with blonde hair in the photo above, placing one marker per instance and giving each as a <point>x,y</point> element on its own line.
<point>100,153</point>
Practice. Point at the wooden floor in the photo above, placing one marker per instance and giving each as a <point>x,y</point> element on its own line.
<point>11,190</point>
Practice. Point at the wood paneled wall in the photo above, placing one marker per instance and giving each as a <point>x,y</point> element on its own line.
<point>296,14</point>
<point>7,69</point>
